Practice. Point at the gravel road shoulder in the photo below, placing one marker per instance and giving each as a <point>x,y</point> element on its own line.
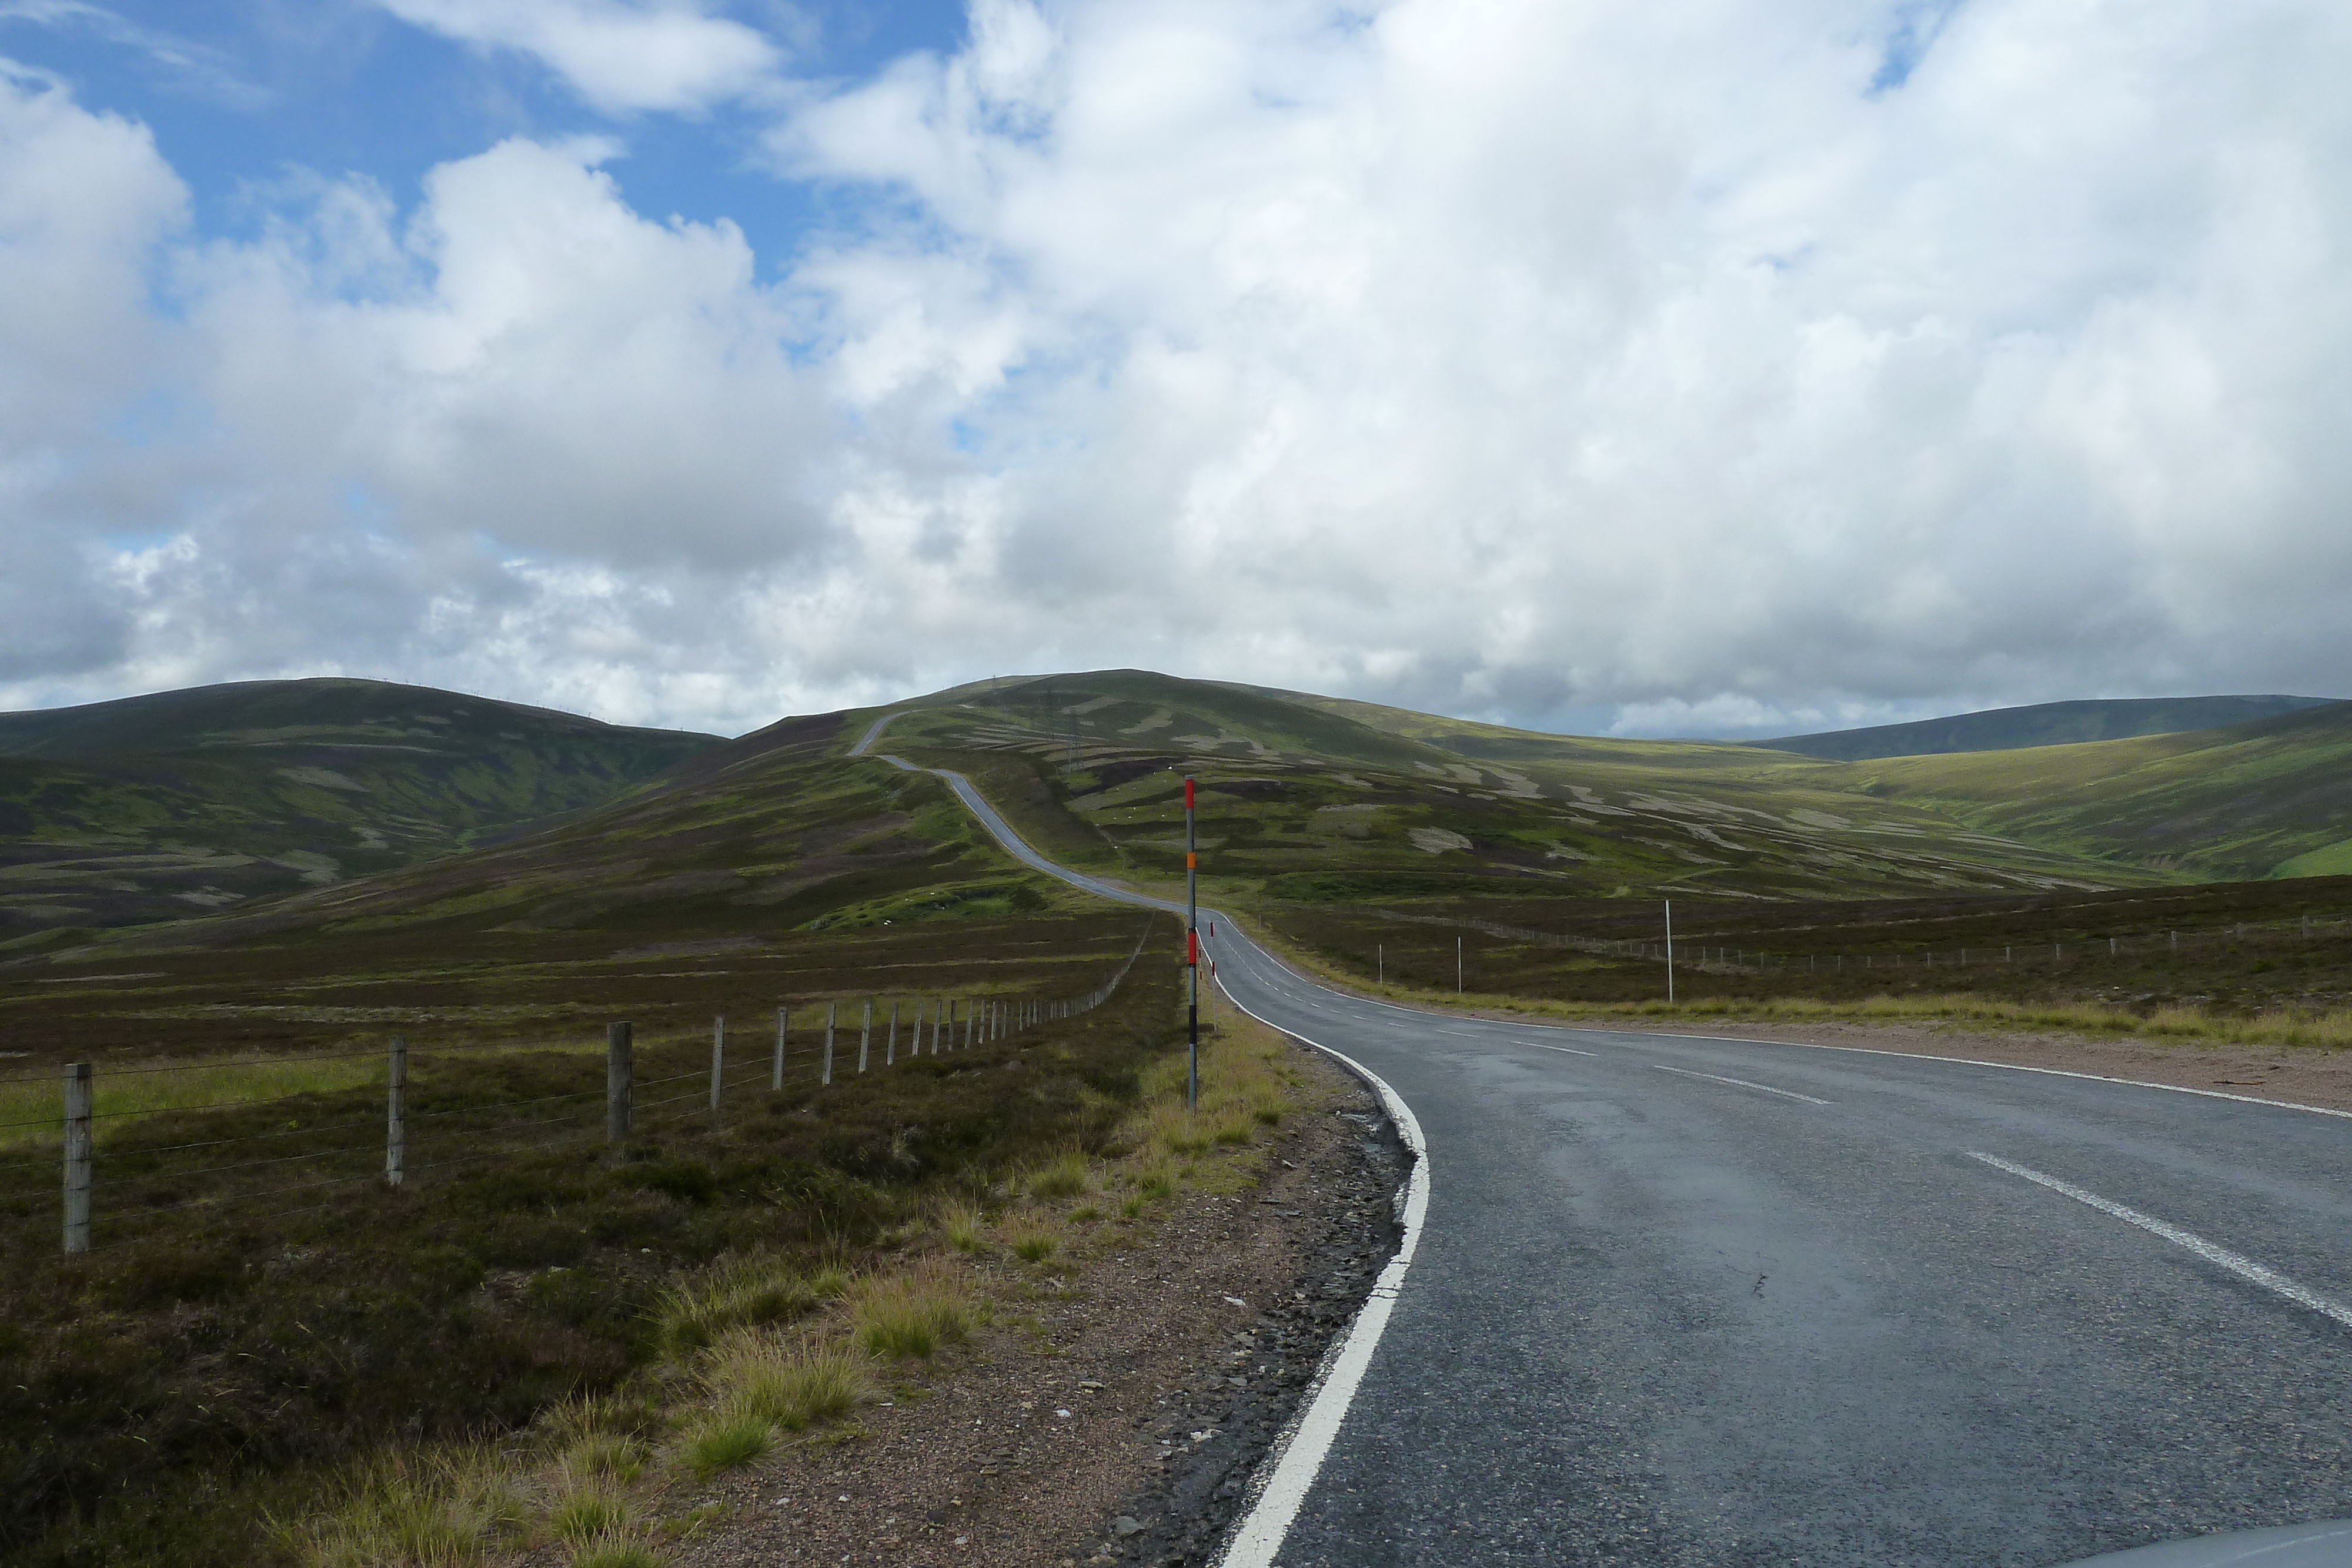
<point>1118,1405</point>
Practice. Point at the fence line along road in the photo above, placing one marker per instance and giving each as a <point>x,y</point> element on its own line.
<point>1726,958</point>
<point>956,1023</point>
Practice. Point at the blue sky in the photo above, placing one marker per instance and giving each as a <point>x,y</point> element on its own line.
<point>238,95</point>
<point>1647,366</point>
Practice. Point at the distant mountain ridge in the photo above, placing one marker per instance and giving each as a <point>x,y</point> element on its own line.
<point>2040,724</point>
<point>178,803</point>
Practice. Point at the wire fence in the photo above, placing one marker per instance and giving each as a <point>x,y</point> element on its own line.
<point>110,1175</point>
<point>1728,959</point>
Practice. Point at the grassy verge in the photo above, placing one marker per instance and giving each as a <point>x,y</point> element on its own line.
<point>753,1353</point>
<point>2323,1029</point>
<point>220,1362</point>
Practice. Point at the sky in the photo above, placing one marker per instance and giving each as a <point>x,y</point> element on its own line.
<point>1645,367</point>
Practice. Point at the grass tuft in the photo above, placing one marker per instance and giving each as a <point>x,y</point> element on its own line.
<point>587,1516</point>
<point>442,1510</point>
<point>616,1552</point>
<point>913,1313</point>
<point>1066,1176</point>
<point>1034,1241</point>
<point>792,1387</point>
<point>726,1439</point>
<point>965,1226</point>
<point>610,1455</point>
<point>756,1291</point>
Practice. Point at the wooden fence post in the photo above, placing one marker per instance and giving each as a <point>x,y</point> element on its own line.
<point>939,1006</point>
<point>865,1035</point>
<point>718,1057</point>
<point>78,1156</point>
<point>829,1009</point>
<point>971,1021</point>
<point>890,1051</point>
<point>620,1076</point>
<point>776,1078</point>
<point>396,1113</point>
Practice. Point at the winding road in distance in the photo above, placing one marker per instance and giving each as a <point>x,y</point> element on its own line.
<point>1695,1300</point>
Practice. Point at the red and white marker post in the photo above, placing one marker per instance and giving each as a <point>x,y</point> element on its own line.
<point>1191,954</point>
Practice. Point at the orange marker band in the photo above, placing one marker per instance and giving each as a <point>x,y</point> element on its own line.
<point>1190,860</point>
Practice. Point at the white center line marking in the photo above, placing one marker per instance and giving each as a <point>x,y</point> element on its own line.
<point>2245,1267</point>
<point>1763,1088</point>
<point>1568,1050</point>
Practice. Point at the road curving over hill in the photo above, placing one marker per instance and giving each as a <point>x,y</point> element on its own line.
<point>1693,1299</point>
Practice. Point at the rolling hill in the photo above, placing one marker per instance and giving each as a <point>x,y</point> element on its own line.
<point>216,799</point>
<point>1314,798</point>
<point>2272,797</point>
<point>2043,724</point>
<point>165,806</point>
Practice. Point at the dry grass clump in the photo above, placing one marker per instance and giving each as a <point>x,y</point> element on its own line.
<point>792,1385</point>
<point>617,1551</point>
<point>597,1443</point>
<point>433,1511</point>
<point>1066,1176</point>
<point>586,1515</point>
<point>725,1440</point>
<point>608,1455</point>
<point>750,1291</point>
<point>1032,1239</point>
<point>913,1313</point>
<point>1243,1087</point>
<point>965,1227</point>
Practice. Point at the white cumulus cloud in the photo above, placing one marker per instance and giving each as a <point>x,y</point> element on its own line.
<point>665,55</point>
<point>1685,364</point>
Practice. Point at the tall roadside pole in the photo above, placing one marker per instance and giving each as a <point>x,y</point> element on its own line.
<point>1670,951</point>
<point>1192,954</point>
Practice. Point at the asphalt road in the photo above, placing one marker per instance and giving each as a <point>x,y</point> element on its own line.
<point>1700,1301</point>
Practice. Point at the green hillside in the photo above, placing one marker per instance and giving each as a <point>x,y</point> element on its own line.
<point>1310,798</point>
<point>2043,724</point>
<point>172,805</point>
<point>165,806</point>
<point>2269,799</point>
<point>777,837</point>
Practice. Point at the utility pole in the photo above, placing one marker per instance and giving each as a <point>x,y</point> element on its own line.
<point>1457,965</point>
<point>1670,950</point>
<point>1192,954</point>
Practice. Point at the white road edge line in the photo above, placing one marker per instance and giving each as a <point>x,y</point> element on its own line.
<point>1296,1455</point>
<point>2245,1267</point>
<point>1718,1078</point>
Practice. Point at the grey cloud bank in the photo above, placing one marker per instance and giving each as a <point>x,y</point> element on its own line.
<point>1650,367</point>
